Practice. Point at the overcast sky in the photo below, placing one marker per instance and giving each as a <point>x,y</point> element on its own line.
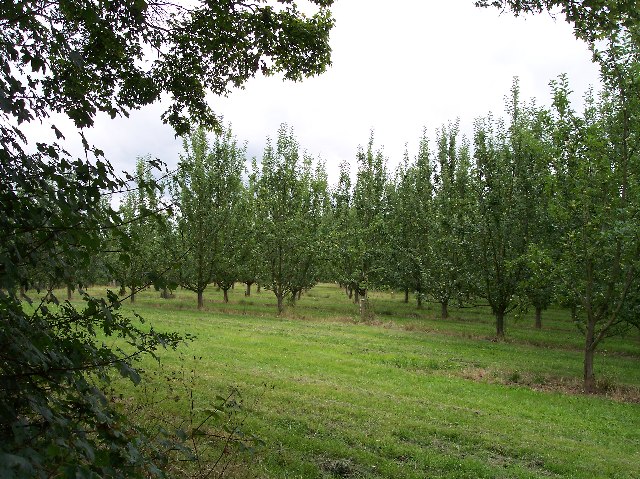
<point>397,66</point>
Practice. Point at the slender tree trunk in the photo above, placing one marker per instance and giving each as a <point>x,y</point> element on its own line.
<point>589,352</point>
<point>406,295</point>
<point>299,294</point>
<point>350,292</point>
<point>280,298</point>
<point>248,291</point>
<point>444,309</point>
<point>123,290</point>
<point>200,300</point>
<point>419,297</point>
<point>23,293</point>
<point>233,285</point>
<point>366,313</point>
<point>132,298</point>
<point>69,292</point>
<point>356,296</point>
<point>225,295</point>
<point>589,377</point>
<point>500,324</point>
<point>538,317</point>
<point>258,288</point>
<point>164,294</point>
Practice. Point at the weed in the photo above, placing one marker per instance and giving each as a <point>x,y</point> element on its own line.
<point>514,377</point>
<point>606,384</point>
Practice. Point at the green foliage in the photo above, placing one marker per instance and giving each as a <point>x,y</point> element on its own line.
<point>55,418</point>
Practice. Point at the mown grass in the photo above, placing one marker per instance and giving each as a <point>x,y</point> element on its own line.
<point>407,395</point>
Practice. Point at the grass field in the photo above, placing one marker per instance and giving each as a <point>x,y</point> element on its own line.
<point>407,395</point>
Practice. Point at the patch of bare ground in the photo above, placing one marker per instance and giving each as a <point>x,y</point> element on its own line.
<point>341,468</point>
<point>605,388</point>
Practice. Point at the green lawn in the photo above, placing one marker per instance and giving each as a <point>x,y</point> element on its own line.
<point>408,395</point>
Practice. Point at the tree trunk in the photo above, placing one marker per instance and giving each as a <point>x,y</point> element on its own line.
<point>366,312</point>
<point>69,292</point>
<point>589,377</point>
<point>356,296</point>
<point>248,291</point>
<point>123,290</point>
<point>500,324</point>
<point>350,293</point>
<point>538,317</point>
<point>164,294</point>
<point>444,309</point>
<point>419,298</point>
<point>258,288</point>
<point>280,303</point>
<point>589,352</point>
<point>406,295</point>
<point>132,297</point>
<point>225,295</point>
<point>200,300</point>
<point>299,294</point>
<point>23,292</point>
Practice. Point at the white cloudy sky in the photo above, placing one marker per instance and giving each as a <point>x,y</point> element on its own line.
<point>397,66</point>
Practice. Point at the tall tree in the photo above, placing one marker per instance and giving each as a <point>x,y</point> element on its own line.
<point>410,231</point>
<point>140,209</point>
<point>507,202</point>
<point>248,254</point>
<point>287,221</point>
<point>228,211</point>
<point>343,267</point>
<point>207,190</point>
<point>369,210</point>
<point>449,271</point>
<point>597,200</point>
